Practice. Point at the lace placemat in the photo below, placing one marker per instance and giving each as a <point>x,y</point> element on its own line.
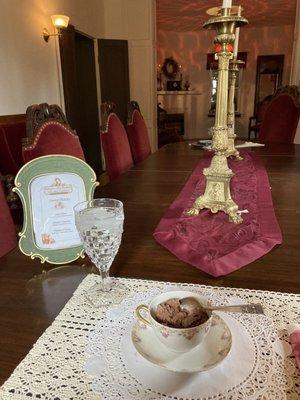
<point>55,367</point>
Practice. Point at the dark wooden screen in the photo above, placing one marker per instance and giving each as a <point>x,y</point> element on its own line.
<point>114,74</point>
<point>80,91</point>
<point>67,56</point>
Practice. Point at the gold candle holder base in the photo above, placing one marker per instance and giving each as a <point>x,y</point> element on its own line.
<point>217,192</point>
<point>231,150</point>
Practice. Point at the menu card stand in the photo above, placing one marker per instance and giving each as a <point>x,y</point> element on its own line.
<point>49,187</point>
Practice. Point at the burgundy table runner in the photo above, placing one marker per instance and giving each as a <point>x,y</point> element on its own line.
<point>209,241</point>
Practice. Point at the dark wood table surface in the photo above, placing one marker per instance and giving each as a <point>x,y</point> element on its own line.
<point>30,300</point>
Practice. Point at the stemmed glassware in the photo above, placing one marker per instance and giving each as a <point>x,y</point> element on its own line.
<point>100,226</point>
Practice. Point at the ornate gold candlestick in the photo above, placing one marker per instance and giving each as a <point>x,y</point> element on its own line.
<point>233,74</point>
<point>217,195</point>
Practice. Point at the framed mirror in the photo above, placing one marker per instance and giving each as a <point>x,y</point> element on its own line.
<point>268,77</point>
<point>170,68</point>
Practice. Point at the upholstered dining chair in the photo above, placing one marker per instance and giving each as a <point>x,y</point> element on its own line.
<point>114,141</point>
<point>11,160</point>
<point>48,132</point>
<point>137,133</point>
<point>11,136</point>
<point>280,120</point>
<point>166,132</point>
<point>255,121</point>
<point>7,228</point>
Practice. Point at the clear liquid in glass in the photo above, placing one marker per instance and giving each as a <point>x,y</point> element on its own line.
<point>100,226</point>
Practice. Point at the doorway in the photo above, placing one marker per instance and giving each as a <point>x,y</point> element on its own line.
<point>80,91</point>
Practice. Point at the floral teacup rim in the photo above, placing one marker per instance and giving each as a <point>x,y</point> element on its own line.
<point>177,339</point>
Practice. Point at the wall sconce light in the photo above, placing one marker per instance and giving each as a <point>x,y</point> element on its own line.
<point>58,21</point>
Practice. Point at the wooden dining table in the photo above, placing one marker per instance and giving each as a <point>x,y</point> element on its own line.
<point>32,294</point>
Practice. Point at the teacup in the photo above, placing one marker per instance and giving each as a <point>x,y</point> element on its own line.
<point>177,339</point>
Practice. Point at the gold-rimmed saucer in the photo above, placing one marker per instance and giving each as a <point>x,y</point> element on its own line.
<point>208,354</point>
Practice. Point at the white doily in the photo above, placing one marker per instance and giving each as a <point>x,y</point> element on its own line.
<point>255,362</point>
<point>55,368</point>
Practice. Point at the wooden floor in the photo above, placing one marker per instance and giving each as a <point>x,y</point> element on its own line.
<point>30,301</point>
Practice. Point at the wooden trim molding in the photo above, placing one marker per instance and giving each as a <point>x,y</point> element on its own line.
<point>13,118</point>
<point>37,114</point>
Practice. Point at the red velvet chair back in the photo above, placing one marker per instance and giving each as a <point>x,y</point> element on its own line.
<point>137,133</point>
<point>11,136</point>
<point>114,143</point>
<point>262,107</point>
<point>8,236</point>
<point>280,120</point>
<point>53,137</point>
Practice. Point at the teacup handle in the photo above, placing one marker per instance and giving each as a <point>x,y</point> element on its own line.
<point>139,315</point>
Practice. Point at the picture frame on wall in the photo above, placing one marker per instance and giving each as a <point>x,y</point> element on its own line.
<point>49,187</point>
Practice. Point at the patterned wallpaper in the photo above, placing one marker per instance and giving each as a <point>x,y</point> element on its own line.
<point>189,15</point>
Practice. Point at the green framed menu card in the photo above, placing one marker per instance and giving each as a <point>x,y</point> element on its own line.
<point>49,187</point>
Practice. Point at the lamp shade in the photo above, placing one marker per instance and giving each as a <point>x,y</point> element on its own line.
<point>60,21</point>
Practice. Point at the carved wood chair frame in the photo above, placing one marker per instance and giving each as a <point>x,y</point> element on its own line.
<point>37,115</point>
<point>106,109</point>
<point>131,107</point>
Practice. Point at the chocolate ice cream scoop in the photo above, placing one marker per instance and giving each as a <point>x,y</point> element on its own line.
<point>170,313</point>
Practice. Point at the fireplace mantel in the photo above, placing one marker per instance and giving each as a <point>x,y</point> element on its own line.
<point>178,92</point>
<point>184,102</point>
